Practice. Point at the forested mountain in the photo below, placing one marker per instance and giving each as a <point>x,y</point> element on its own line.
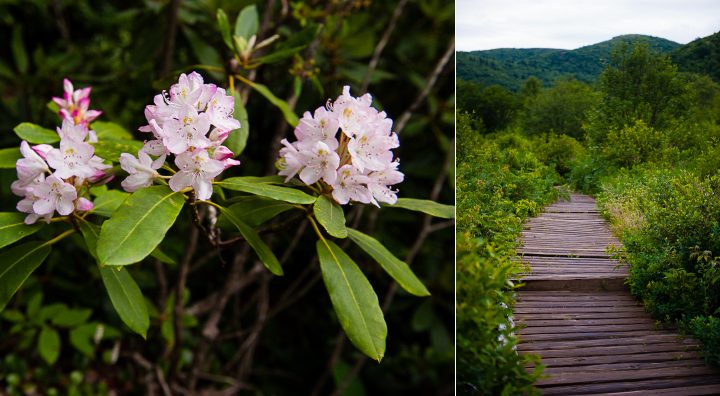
<point>700,56</point>
<point>510,67</point>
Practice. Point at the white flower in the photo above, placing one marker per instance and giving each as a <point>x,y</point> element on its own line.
<point>350,186</point>
<point>379,183</point>
<point>370,151</point>
<point>31,166</point>
<point>220,108</point>
<point>53,194</point>
<point>290,161</point>
<point>197,169</point>
<point>188,89</point>
<point>321,162</point>
<point>141,170</point>
<point>72,159</point>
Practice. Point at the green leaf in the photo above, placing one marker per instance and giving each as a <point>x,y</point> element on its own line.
<point>162,257</point>
<point>110,130</point>
<point>13,227</point>
<point>247,22</point>
<point>108,202</point>
<point>110,149</point>
<point>9,157</point>
<point>49,345</point>
<point>127,298</point>
<point>426,206</point>
<point>49,311</point>
<point>252,186</point>
<point>36,134</point>
<point>331,216</point>
<point>138,225</point>
<point>253,239</point>
<point>354,300</point>
<point>71,317</point>
<point>90,232</point>
<point>237,140</point>
<point>293,45</point>
<point>254,210</point>
<point>82,337</point>
<point>16,264</point>
<point>284,107</point>
<point>13,315</point>
<point>18,50</point>
<point>396,268</point>
<point>224,26</point>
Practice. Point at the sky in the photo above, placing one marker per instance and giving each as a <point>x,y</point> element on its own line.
<point>570,24</point>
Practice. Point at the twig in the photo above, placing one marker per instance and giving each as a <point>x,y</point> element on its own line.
<point>432,79</point>
<point>381,44</point>
<point>179,289</point>
<point>247,350</point>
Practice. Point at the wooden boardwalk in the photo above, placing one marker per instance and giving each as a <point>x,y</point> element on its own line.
<point>592,336</point>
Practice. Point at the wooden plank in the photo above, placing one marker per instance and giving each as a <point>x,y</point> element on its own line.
<point>585,322</point>
<point>641,340</point>
<point>691,375</point>
<point>615,350</point>
<point>694,390</point>
<point>606,359</point>
<point>648,385</point>
<point>583,336</point>
<point>624,366</point>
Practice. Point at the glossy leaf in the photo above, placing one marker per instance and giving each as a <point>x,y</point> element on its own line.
<point>396,268</point>
<point>49,345</point>
<point>252,186</point>
<point>253,239</point>
<point>254,210</point>
<point>13,227</point>
<point>331,216</point>
<point>138,225</point>
<point>205,53</point>
<point>354,300</point>
<point>237,140</point>
<point>110,130</point>
<point>90,232</point>
<point>110,149</point>
<point>126,298</point>
<point>247,22</point>
<point>224,26</point>
<point>36,134</point>
<point>16,264</point>
<point>294,44</point>
<point>284,107</point>
<point>82,337</point>
<point>426,206</point>
<point>9,157</point>
<point>106,203</point>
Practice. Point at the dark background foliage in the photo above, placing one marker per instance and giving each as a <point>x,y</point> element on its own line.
<point>276,335</point>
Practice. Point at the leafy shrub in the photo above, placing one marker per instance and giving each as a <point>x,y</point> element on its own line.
<point>634,144</point>
<point>560,151</point>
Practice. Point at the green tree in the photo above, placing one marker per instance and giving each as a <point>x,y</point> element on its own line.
<point>561,109</point>
<point>637,85</point>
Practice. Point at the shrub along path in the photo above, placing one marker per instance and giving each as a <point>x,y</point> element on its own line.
<point>593,337</point>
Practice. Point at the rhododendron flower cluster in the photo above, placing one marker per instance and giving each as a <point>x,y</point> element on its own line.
<point>51,179</point>
<point>191,123</point>
<point>355,165</point>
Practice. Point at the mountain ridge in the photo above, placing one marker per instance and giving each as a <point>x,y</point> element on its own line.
<point>510,67</point>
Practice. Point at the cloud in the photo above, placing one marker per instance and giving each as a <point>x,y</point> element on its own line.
<point>569,24</point>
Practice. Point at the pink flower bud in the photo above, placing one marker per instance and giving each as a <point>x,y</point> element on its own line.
<point>83,204</point>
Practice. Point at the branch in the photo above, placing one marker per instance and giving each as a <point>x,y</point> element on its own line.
<point>432,79</point>
<point>169,44</point>
<point>381,44</point>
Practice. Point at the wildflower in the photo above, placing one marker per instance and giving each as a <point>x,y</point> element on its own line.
<point>356,164</point>
<point>74,104</point>
<point>191,123</point>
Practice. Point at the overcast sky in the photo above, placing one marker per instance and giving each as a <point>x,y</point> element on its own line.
<point>570,24</point>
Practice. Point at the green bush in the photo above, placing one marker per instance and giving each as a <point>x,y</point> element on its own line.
<point>670,225</point>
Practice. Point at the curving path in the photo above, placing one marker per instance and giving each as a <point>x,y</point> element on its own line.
<point>592,336</point>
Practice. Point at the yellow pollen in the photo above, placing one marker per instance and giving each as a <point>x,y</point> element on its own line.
<point>187,120</point>
<point>347,112</point>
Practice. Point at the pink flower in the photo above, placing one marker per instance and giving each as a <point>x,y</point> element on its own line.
<point>197,169</point>
<point>83,204</point>
<point>379,184</point>
<point>141,170</point>
<point>74,104</point>
<point>54,195</point>
<point>320,163</point>
<point>350,186</point>
<point>290,161</point>
<point>187,129</point>
<point>322,127</point>
<point>220,109</point>
<point>31,166</point>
